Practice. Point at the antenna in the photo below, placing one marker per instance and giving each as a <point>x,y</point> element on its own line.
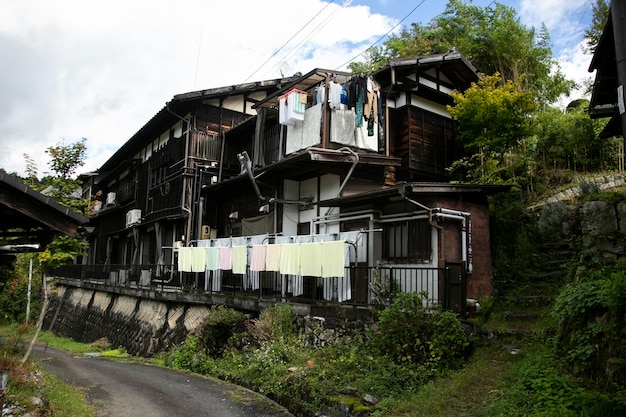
<point>283,68</point>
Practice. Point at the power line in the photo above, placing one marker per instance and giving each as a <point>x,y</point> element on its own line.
<point>290,39</point>
<point>314,32</point>
<point>384,36</point>
<point>575,29</point>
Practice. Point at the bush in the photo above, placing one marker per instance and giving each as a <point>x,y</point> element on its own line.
<point>411,333</point>
<point>591,331</point>
<point>275,323</point>
<point>219,326</point>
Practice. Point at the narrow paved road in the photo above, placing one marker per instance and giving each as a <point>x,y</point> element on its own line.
<point>119,389</point>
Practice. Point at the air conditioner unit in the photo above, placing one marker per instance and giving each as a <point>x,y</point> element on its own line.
<point>133,217</point>
<point>110,199</point>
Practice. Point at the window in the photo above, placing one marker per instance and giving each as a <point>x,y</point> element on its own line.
<point>158,177</point>
<point>408,241</point>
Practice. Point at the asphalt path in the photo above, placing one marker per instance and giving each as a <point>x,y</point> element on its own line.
<point>123,389</point>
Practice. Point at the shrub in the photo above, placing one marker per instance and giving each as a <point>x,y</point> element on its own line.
<point>411,333</point>
<point>218,328</point>
<point>591,332</point>
<point>275,323</point>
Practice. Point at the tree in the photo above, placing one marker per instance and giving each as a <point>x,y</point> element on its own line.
<point>63,188</point>
<point>598,20</point>
<point>493,121</point>
<point>494,40</point>
<point>66,190</point>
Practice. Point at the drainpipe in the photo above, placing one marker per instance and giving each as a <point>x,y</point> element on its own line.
<point>348,176</point>
<point>466,232</point>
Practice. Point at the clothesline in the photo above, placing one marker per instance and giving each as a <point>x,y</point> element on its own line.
<point>319,259</point>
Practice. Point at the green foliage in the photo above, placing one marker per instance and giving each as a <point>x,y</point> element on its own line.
<point>374,59</point>
<point>217,329</point>
<point>191,356</point>
<point>411,333</point>
<point>62,251</point>
<point>599,18</point>
<point>14,290</point>
<point>512,238</point>
<point>492,116</point>
<point>591,333</point>
<point>493,120</point>
<point>276,323</point>
<point>542,387</point>
<point>494,39</point>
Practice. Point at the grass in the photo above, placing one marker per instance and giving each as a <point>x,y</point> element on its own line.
<point>28,380</point>
<point>66,400</point>
<point>467,392</point>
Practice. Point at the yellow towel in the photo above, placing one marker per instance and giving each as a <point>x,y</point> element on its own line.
<point>198,259</point>
<point>333,259</point>
<point>290,259</point>
<point>311,259</point>
<point>240,259</point>
<point>184,259</point>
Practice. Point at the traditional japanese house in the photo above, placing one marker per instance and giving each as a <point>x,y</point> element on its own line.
<point>327,187</point>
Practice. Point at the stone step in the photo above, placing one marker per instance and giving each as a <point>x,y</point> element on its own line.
<point>536,300</point>
<point>521,316</point>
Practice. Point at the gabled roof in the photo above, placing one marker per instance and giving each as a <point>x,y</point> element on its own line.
<point>452,65</point>
<point>38,217</point>
<point>174,110</point>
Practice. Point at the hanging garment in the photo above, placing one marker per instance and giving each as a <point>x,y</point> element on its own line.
<point>333,254</point>
<point>257,257</point>
<point>184,259</point>
<point>240,259</point>
<point>290,259</point>
<point>334,95</point>
<point>311,259</point>
<point>212,258</point>
<point>226,258</point>
<point>198,259</point>
<point>371,106</point>
<point>272,257</point>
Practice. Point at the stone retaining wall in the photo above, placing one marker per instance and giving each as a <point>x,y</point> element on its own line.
<point>142,326</point>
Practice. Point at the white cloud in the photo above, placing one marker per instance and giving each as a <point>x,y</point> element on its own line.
<point>101,70</point>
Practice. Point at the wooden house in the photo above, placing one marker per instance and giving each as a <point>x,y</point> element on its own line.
<point>299,162</point>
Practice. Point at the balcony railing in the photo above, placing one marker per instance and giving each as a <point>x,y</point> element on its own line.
<point>361,286</point>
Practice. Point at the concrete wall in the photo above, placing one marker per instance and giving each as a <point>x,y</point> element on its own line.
<point>143,326</point>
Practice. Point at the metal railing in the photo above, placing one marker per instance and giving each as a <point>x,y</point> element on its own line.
<point>361,286</point>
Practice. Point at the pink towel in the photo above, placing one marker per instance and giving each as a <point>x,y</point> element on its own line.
<point>226,258</point>
<point>257,258</point>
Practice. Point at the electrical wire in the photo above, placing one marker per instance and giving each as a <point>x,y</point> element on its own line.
<point>384,36</point>
<point>575,29</point>
<point>290,39</point>
<point>289,54</point>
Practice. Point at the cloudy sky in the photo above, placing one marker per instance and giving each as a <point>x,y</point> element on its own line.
<point>100,70</point>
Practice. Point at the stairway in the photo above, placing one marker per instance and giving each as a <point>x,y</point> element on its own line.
<point>525,309</point>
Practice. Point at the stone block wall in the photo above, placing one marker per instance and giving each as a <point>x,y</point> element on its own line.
<point>142,326</point>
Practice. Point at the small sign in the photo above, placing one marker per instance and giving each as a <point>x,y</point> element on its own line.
<point>620,99</point>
